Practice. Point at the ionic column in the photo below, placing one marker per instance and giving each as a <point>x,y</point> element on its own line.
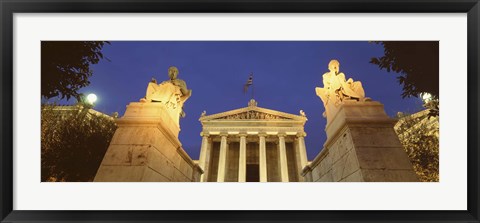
<point>242,159</point>
<point>302,151</point>
<point>204,152</point>
<point>263,159</point>
<point>283,158</point>
<point>222,161</point>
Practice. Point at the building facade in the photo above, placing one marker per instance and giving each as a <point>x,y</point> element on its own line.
<point>253,144</point>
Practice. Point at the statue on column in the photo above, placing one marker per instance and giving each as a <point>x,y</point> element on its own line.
<point>336,89</point>
<point>173,93</point>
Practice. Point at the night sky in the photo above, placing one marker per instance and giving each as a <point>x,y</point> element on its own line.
<point>285,77</point>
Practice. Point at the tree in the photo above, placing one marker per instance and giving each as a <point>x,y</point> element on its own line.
<point>74,140</point>
<point>416,62</point>
<point>65,66</point>
<point>419,134</point>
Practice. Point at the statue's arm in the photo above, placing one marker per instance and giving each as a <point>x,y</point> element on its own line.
<point>186,93</point>
<point>326,81</point>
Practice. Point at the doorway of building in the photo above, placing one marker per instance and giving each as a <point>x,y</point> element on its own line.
<point>253,174</point>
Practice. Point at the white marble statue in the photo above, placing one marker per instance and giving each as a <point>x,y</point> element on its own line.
<point>337,89</point>
<point>173,93</point>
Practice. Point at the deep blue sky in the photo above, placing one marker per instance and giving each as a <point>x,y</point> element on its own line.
<point>285,77</point>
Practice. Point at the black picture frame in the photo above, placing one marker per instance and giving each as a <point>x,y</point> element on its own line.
<point>9,7</point>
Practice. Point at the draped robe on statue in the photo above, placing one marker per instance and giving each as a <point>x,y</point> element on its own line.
<point>336,89</point>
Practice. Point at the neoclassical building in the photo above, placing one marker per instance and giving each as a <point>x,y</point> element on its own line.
<point>252,144</point>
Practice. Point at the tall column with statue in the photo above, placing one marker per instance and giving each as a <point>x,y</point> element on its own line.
<point>145,146</point>
<point>361,143</point>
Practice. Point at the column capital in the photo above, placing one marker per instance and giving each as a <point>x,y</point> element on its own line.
<point>301,134</point>
<point>223,134</point>
<point>281,135</point>
<point>262,134</point>
<point>242,134</point>
<point>204,134</point>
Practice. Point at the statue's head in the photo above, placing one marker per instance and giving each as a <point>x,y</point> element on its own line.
<point>172,73</point>
<point>334,66</point>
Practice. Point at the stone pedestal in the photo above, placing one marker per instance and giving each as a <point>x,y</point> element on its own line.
<point>361,146</point>
<point>145,147</point>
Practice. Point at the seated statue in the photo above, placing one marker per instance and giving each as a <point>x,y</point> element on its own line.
<point>336,89</point>
<point>172,93</point>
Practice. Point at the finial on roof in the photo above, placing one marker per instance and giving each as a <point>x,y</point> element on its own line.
<point>252,102</point>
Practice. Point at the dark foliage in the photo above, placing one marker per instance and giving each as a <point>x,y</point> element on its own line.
<point>73,142</point>
<point>416,62</point>
<point>65,66</point>
<point>432,106</point>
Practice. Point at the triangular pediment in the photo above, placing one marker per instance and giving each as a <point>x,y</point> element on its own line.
<point>252,113</point>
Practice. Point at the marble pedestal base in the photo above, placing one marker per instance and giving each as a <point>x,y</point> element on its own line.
<point>361,146</point>
<point>145,148</point>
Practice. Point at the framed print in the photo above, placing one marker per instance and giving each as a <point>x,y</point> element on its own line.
<point>239,111</point>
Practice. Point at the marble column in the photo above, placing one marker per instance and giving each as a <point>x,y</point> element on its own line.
<point>242,159</point>
<point>222,161</point>
<point>302,151</point>
<point>283,158</point>
<point>204,152</point>
<point>263,159</point>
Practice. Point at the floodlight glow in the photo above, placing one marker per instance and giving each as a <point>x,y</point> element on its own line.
<point>91,98</point>
<point>426,97</point>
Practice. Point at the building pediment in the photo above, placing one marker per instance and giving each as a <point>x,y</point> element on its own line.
<point>252,113</point>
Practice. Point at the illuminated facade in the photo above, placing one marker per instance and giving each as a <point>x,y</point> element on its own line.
<point>253,144</point>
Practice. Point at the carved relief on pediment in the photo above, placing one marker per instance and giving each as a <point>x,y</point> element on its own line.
<point>252,115</point>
